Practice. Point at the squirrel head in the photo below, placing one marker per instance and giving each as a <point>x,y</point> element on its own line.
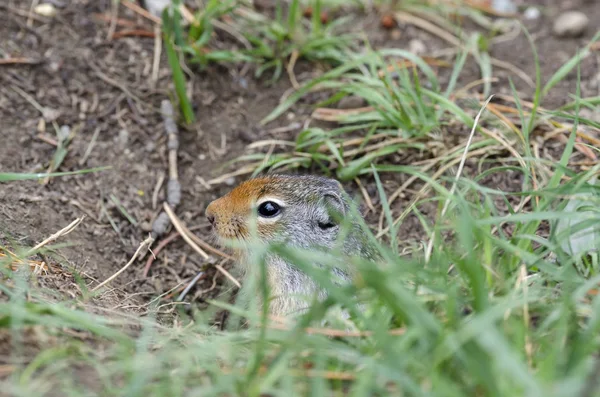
<point>300,210</point>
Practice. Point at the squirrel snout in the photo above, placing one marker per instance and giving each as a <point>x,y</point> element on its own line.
<point>210,216</point>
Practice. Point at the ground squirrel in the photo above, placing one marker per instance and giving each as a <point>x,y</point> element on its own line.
<point>294,210</point>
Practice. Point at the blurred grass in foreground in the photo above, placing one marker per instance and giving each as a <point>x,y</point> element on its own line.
<point>499,309</point>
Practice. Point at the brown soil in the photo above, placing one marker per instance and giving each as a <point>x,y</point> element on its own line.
<point>96,84</point>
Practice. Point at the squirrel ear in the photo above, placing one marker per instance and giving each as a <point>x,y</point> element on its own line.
<point>335,205</point>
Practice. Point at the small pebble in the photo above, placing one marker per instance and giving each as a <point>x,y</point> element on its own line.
<point>45,9</point>
<point>146,226</point>
<point>156,7</point>
<point>41,126</point>
<point>123,138</point>
<point>504,6</point>
<point>417,47</point>
<point>351,102</point>
<point>84,106</point>
<point>230,181</point>
<point>532,13</point>
<point>63,132</point>
<point>396,34</point>
<point>54,66</point>
<point>570,24</point>
<point>243,83</point>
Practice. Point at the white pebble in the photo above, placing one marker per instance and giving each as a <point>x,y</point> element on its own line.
<point>532,13</point>
<point>570,24</point>
<point>417,47</point>
<point>156,7</point>
<point>230,181</point>
<point>45,9</point>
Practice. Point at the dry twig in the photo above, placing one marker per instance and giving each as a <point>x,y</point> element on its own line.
<point>63,232</point>
<point>186,234</point>
<point>147,243</point>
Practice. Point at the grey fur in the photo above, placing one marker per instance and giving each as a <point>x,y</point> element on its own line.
<point>307,199</point>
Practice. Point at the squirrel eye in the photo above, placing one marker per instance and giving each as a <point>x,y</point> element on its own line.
<point>327,225</point>
<point>269,209</point>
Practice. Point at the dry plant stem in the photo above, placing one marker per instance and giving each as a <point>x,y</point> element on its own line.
<point>376,146</point>
<point>120,21</point>
<point>163,243</point>
<point>91,145</point>
<point>458,173</point>
<point>526,319</point>
<point>269,142</point>
<point>290,69</point>
<point>47,139</point>
<point>139,10</point>
<point>463,91</point>
<point>242,171</point>
<point>157,52</point>
<point>159,183</point>
<point>13,61</point>
<point>63,232</point>
<point>31,100</point>
<point>493,109</point>
<point>114,14</point>
<point>280,130</point>
<point>185,13</point>
<point>146,243</point>
<point>186,236</point>
<point>207,246</point>
<point>365,194</point>
<point>579,146</point>
<point>328,114</point>
<point>34,4</point>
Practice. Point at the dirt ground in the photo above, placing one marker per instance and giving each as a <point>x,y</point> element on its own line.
<point>104,88</point>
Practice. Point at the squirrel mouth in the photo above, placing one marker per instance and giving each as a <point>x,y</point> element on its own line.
<point>229,234</point>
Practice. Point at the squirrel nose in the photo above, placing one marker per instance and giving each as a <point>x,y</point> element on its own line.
<point>211,219</point>
<point>210,216</point>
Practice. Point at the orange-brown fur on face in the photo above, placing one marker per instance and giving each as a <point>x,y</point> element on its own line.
<point>231,212</point>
